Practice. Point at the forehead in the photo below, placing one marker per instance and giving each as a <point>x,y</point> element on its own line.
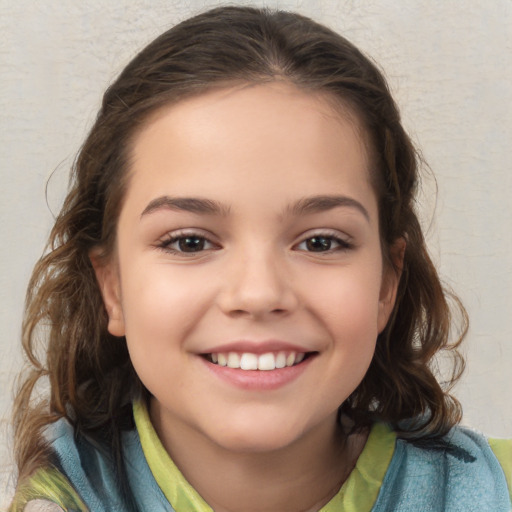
<point>266,103</point>
<point>251,133</point>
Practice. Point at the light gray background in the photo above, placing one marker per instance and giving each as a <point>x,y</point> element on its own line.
<point>449,65</point>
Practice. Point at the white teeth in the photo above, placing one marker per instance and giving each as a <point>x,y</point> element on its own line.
<point>250,361</point>
<point>280,360</point>
<point>299,357</point>
<point>233,360</point>
<point>267,362</point>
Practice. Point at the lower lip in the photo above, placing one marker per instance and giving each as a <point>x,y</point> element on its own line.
<point>258,380</point>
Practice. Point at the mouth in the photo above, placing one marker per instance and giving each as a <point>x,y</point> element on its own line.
<point>265,362</point>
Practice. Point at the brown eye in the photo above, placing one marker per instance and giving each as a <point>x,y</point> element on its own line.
<point>319,244</point>
<point>324,243</point>
<point>191,244</point>
<point>186,244</point>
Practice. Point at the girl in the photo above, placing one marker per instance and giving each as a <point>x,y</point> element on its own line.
<point>239,309</point>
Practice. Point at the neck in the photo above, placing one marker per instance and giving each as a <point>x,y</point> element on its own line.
<point>302,476</point>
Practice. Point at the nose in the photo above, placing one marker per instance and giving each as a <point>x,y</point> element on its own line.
<point>257,284</point>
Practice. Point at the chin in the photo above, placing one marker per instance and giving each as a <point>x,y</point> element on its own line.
<point>259,436</point>
<point>263,442</point>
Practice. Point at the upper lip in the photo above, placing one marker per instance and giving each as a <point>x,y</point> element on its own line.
<point>255,347</point>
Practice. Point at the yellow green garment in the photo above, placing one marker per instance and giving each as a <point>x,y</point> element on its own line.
<point>465,472</point>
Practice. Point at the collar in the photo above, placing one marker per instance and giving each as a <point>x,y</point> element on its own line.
<point>357,494</point>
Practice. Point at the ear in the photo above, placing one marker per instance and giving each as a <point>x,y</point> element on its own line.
<point>390,280</point>
<point>107,275</point>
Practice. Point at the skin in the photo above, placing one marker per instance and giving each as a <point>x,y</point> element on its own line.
<point>257,151</point>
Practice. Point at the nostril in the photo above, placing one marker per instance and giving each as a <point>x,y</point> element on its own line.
<point>239,312</point>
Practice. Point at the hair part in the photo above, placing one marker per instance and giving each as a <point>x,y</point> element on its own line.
<point>91,377</point>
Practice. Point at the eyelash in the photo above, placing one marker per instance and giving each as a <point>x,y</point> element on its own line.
<point>171,239</point>
<point>342,244</point>
<point>166,243</point>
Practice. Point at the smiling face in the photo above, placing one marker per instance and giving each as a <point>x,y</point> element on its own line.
<point>249,236</point>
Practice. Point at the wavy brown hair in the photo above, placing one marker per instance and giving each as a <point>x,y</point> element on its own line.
<point>92,381</point>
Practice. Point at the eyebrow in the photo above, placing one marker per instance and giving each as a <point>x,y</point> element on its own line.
<point>186,204</point>
<point>318,204</point>
<point>307,205</point>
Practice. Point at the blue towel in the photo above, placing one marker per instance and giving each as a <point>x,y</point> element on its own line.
<point>460,473</point>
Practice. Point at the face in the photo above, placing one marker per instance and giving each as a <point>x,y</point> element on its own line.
<point>248,276</point>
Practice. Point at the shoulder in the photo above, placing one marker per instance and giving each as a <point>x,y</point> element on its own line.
<point>79,476</point>
<point>457,472</point>
<point>502,448</point>
<point>47,490</point>
<point>87,465</point>
<point>102,481</point>
<point>42,506</point>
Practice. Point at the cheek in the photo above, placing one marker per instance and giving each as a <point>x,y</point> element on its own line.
<point>161,306</point>
<point>347,304</point>
<point>353,329</point>
<point>348,297</point>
